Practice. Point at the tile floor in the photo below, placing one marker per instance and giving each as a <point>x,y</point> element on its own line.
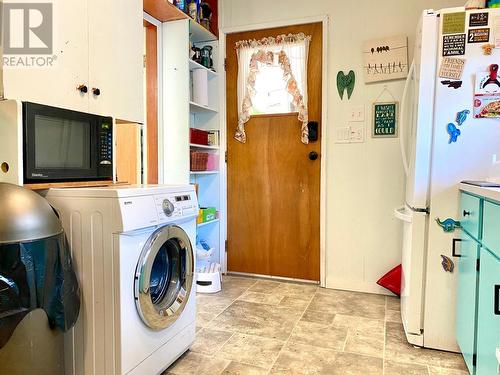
<point>255,327</point>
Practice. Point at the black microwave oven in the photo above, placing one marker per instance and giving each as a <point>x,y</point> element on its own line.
<point>64,145</point>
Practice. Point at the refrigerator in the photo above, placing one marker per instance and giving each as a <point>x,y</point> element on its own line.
<point>435,164</point>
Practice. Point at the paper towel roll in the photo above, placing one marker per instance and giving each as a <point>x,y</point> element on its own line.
<point>200,86</point>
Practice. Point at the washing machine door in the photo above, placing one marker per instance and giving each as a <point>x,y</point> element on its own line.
<point>164,277</point>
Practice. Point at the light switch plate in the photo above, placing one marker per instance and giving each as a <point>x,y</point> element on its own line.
<point>356,132</point>
<point>357,113</point>
<point>342,135</point>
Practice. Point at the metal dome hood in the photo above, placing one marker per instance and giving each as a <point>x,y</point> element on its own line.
<point>25,216</point>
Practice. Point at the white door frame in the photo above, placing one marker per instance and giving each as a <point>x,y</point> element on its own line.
<point>324,128</point>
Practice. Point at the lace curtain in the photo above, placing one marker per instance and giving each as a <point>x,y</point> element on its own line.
<point>290,53</point>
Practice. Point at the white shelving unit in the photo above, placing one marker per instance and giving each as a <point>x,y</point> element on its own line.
<point>183,113</point>
<point>194,145</point>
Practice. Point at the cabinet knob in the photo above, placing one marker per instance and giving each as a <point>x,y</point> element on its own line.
<point>466,213</point>
<point>83,89</point>
<point>96,91</point>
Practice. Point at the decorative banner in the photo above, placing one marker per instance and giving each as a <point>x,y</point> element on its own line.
<point>385,59</point>
<point>454,23</point>
<point>345,82</point>
<point>453,45</point>
<point>487,94</point>
<point>478,19</point>
<point>479,35</point>
<point>452,67</point>
<point>385,117</point>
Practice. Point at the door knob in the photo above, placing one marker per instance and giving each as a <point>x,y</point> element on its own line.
<point>82,88</point>
<point>96,91</point>
<point>313,155</point>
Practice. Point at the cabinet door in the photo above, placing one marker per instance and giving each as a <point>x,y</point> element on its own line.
<point>57,84</point>
<point>488,322</point>
<point>466,298</point>
<point>116,44</point>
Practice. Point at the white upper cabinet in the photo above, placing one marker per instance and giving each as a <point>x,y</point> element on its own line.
<point>57,84</point>
<point>98,49</point>
<point>116,46</point>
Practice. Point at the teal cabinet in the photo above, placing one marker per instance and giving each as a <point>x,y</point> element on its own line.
<point>488,322</point>
<point>470,214</point>
<point>466,309</point>
<point>491,226</point>
<point>478,305</point>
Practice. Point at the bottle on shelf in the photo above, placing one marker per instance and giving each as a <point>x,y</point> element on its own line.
<point>193,10</point>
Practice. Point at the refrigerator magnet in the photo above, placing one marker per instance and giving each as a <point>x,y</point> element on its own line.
<point>462,116</point>
<point>453,132</point>
<point>454,84</point>
<point>487,94</point>
<point>447,264</point>
<point>452,68</point>
<point>453,23</point>
<point>448,225</point>
<point>479,35</point>
<point>454,45</point>
<point>478,19</point>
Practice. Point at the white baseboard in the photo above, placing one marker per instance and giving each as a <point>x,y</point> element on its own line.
<point>355,286</point>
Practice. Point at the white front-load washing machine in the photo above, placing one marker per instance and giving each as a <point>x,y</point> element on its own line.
<point>133,251</point>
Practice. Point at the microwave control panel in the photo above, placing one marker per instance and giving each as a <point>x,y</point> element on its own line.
<point>105,143</point>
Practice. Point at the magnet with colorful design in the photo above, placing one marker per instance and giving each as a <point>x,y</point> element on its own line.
<point>448,225</point>
<point>447,263</point>
<point>462,116</point>
<point>453,132</point>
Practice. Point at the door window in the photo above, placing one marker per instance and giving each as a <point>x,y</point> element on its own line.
<point>272,78</point>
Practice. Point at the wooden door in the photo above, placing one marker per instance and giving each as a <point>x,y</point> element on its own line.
<point>273,186</point>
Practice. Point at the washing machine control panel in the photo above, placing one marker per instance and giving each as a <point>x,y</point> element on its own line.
<point>176,205</point>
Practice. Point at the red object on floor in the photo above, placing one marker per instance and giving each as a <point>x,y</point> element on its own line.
<point>392,280</point>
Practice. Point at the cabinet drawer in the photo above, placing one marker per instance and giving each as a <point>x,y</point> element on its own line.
<point>491,227</point>
<point>469,214</point>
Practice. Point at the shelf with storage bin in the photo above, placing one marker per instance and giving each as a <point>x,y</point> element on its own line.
<point>199,34</point>
<point>207,223</point>
<point>207,147</point>
<point>195,107</point>
<point>203,172</point>
<point>202,113</point>
<point>194,65</point>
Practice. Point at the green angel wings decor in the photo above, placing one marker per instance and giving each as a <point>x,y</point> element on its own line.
<point>345,82</point>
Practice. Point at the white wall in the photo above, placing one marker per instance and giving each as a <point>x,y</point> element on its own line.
<point>365,181</point>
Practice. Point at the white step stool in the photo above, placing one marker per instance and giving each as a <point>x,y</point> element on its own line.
<point>208,278</point>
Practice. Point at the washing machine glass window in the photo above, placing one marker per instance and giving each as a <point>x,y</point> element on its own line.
<point>164,277</point>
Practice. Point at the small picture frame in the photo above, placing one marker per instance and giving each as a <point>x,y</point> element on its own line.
<point>385,120</point>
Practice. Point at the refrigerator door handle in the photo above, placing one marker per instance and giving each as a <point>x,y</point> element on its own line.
<point>401,116</point>
<point>402,215</point>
